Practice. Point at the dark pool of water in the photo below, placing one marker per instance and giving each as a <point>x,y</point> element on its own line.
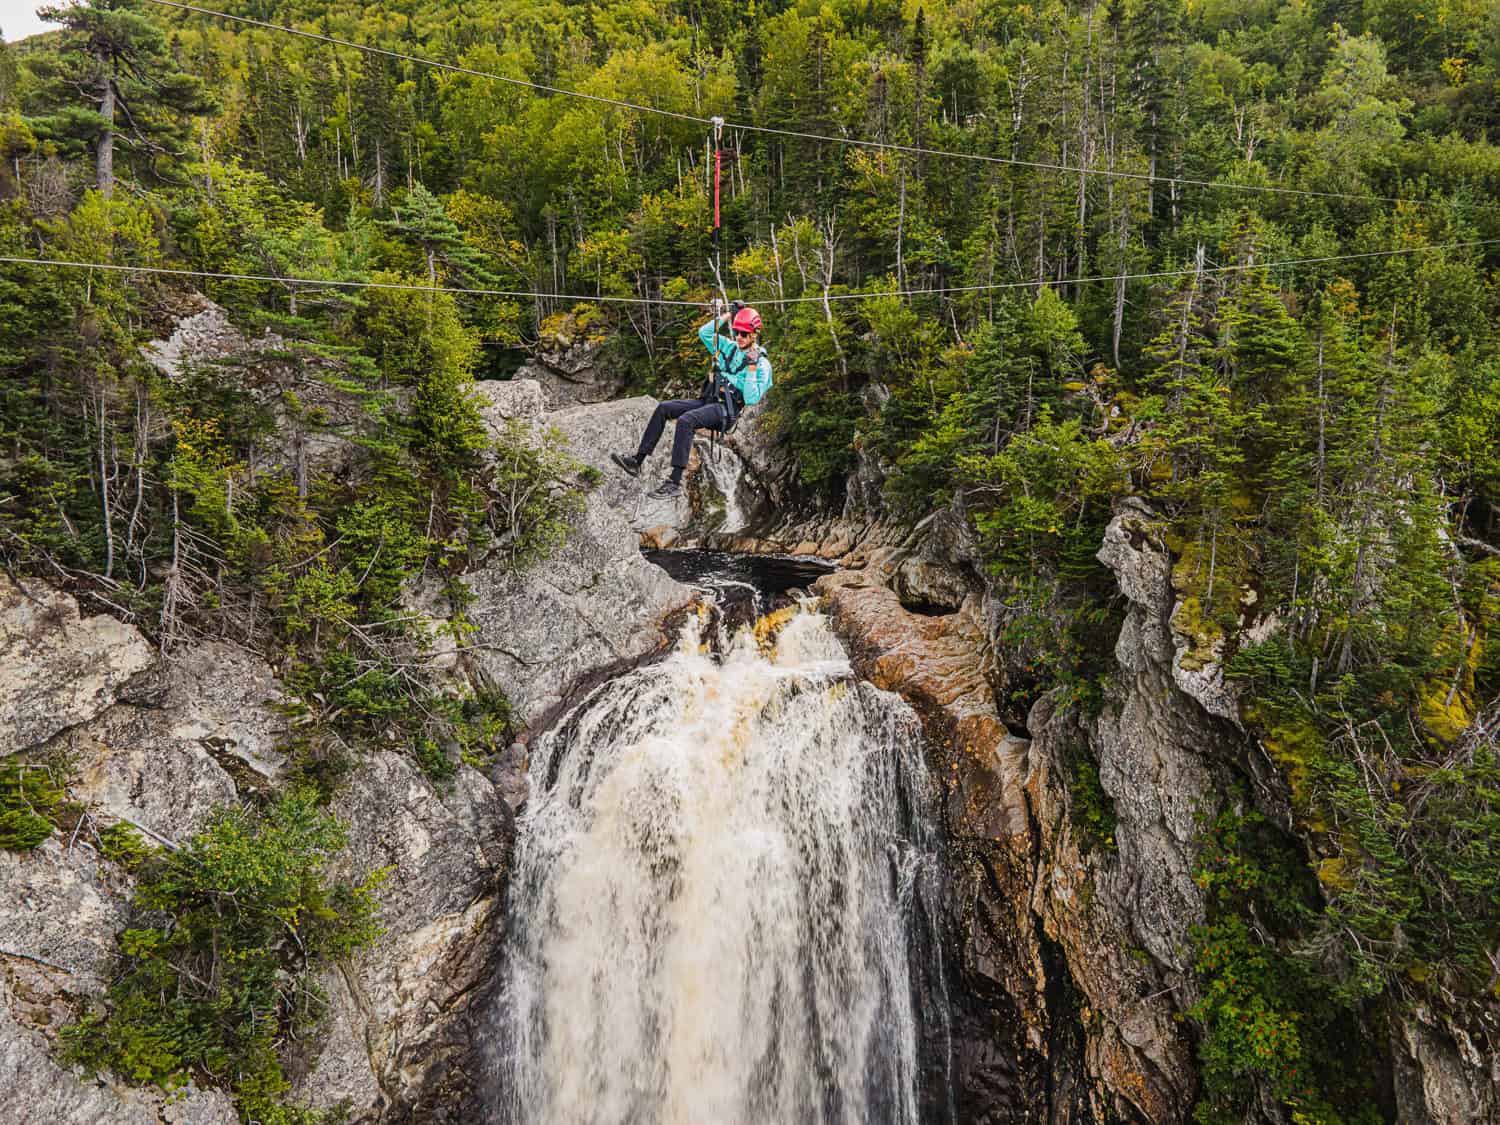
<point>767,574</point>
<point>744,586</point>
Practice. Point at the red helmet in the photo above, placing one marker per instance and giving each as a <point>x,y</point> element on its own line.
<point>747,320</point>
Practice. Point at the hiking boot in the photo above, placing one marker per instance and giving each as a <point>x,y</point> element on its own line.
<point>666,490</point>
<point>627,462</point>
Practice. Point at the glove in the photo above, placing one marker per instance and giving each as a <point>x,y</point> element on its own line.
<point>735,307</point>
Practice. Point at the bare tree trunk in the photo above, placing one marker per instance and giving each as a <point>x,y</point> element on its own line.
<point>1119,324</point>
<point>101,418</point>
<point>1322,424</point>
<point>830,239</point>
<point>105,158</point>
<point>900,231</point>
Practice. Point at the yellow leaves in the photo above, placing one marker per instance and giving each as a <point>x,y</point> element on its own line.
<point>1334,874</point>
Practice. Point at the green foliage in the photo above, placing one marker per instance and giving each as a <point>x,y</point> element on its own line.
<point>536,487</point>
<point>1272,1025</point>
<point>218,965</point>
<point>32,804</point>
<point>125,846</point>
<point>1317,442</point>
<point>1091,810</point>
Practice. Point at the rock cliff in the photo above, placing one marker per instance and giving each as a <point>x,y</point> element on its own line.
<point>160,743</point>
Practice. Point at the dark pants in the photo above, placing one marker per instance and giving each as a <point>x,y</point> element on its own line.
<point>691,414</point>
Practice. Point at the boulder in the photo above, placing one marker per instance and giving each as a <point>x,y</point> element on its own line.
<point>58,668</point>
<point>503,399</point>
<point>570,365</point>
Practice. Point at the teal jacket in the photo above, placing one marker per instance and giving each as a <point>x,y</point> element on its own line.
<point>752,380</point>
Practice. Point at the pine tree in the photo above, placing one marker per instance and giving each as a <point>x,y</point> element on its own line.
<point>137,96</point>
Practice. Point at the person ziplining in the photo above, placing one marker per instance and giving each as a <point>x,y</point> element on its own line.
<point>739,376</point>
<point>739,372</point>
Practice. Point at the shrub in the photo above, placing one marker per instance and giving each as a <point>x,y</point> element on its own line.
<point>217,969</point>
<point>31,802</point>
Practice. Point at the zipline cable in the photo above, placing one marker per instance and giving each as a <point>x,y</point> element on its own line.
<point>916,150</point>
<point>767,301</point>
<point>335,284</point>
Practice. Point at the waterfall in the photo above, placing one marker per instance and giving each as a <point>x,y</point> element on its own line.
<point>725,470</point>
<point>717,909</point>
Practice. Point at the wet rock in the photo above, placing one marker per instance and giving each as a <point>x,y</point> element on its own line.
<point>57,668</point>
<point>998,993</point>
<point>1069,961</point>
<point>509,777</point>
<point>936,664</point>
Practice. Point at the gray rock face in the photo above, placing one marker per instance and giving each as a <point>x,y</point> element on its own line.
<point>1135,1053</point>
<point>159,758</point>
<point>58,669</point>
<point>511,398</point>
<point>1154,747</point>
<point>61,907</point>
<point>314,433</point>
<point>596,603</point>
<point>205,335</point>
<point>1442,1076</point>
<point>33,1088</point>
<point>568,367</point>
<point>395,1030</point>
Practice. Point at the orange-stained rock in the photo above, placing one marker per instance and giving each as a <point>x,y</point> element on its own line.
<point>937,664</point>
<point>659,537</point>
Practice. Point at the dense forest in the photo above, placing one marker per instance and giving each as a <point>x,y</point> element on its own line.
<point>1181,250</point>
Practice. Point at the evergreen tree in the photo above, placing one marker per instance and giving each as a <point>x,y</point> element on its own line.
<point>136,95</point>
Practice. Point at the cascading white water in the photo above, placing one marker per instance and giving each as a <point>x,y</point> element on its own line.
<point>724,469</point>
<point>714,900</point>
